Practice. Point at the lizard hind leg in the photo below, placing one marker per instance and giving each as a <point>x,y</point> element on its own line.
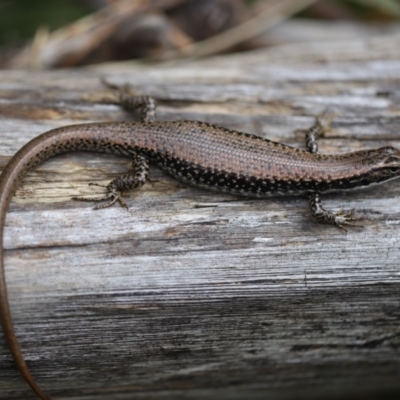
<point>129,100</point>
<point>117,188</point>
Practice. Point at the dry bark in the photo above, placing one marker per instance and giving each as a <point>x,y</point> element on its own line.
<point>194,294</point>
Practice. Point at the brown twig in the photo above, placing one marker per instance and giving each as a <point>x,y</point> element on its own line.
<point>273,13</point>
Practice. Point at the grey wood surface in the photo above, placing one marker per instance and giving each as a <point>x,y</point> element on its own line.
<point>193,294</point>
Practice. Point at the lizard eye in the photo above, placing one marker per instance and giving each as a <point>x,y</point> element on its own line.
<point>394,170</point>
<point>390,160</point>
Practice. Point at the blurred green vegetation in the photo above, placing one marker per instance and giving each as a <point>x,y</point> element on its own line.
<point>19,19</point>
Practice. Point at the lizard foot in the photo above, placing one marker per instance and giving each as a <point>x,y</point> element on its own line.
<point>341,219</point>
<point>110,198</point>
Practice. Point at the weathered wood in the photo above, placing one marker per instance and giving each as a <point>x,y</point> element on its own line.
<point>195,294</point>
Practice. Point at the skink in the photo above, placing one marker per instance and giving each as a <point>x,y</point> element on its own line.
<point>202,155</point>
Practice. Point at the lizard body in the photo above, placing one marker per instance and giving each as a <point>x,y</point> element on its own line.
<point>199,154</point>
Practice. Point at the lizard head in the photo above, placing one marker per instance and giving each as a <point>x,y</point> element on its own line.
<point>384,164</point>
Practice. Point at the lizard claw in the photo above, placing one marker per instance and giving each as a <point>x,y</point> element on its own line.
<point>342,218</point>
<point>110,198</point>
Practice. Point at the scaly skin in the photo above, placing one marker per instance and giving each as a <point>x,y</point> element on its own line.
<point>202,155</point>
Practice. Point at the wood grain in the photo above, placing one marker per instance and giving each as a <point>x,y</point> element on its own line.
<point>193,294</point>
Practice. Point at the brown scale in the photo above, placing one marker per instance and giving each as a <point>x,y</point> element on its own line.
<point>203,155</point>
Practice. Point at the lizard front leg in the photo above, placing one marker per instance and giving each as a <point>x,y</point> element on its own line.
<point>340,218</point>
